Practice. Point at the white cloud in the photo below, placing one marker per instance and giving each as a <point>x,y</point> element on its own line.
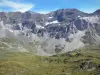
<point>16,6</point>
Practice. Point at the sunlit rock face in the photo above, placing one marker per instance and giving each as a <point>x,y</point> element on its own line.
<point>56,32</point>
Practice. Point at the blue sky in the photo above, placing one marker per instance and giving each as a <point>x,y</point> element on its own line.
<point>45,6</point>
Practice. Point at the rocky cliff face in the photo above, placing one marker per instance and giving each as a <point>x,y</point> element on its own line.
<point>72,25</point>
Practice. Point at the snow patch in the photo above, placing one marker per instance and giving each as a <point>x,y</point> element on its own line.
<point>50,17</point>
<point>53,22</point>
<point>39,27</point>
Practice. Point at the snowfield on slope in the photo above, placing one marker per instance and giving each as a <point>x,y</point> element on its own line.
<point>53,22</point>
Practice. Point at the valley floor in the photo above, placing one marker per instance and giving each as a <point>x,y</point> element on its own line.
<point>79,62</point>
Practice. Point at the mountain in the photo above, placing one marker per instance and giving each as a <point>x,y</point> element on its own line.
<point>97,12</point>
<point>56,32</point>
<point>67,14</point>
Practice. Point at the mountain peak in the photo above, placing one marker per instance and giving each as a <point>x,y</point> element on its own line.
<point>97,12</point>
<point>67,14</point>
<point>68,10</point>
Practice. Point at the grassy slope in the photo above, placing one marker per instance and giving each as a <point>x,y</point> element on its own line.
<point>29,64</point>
